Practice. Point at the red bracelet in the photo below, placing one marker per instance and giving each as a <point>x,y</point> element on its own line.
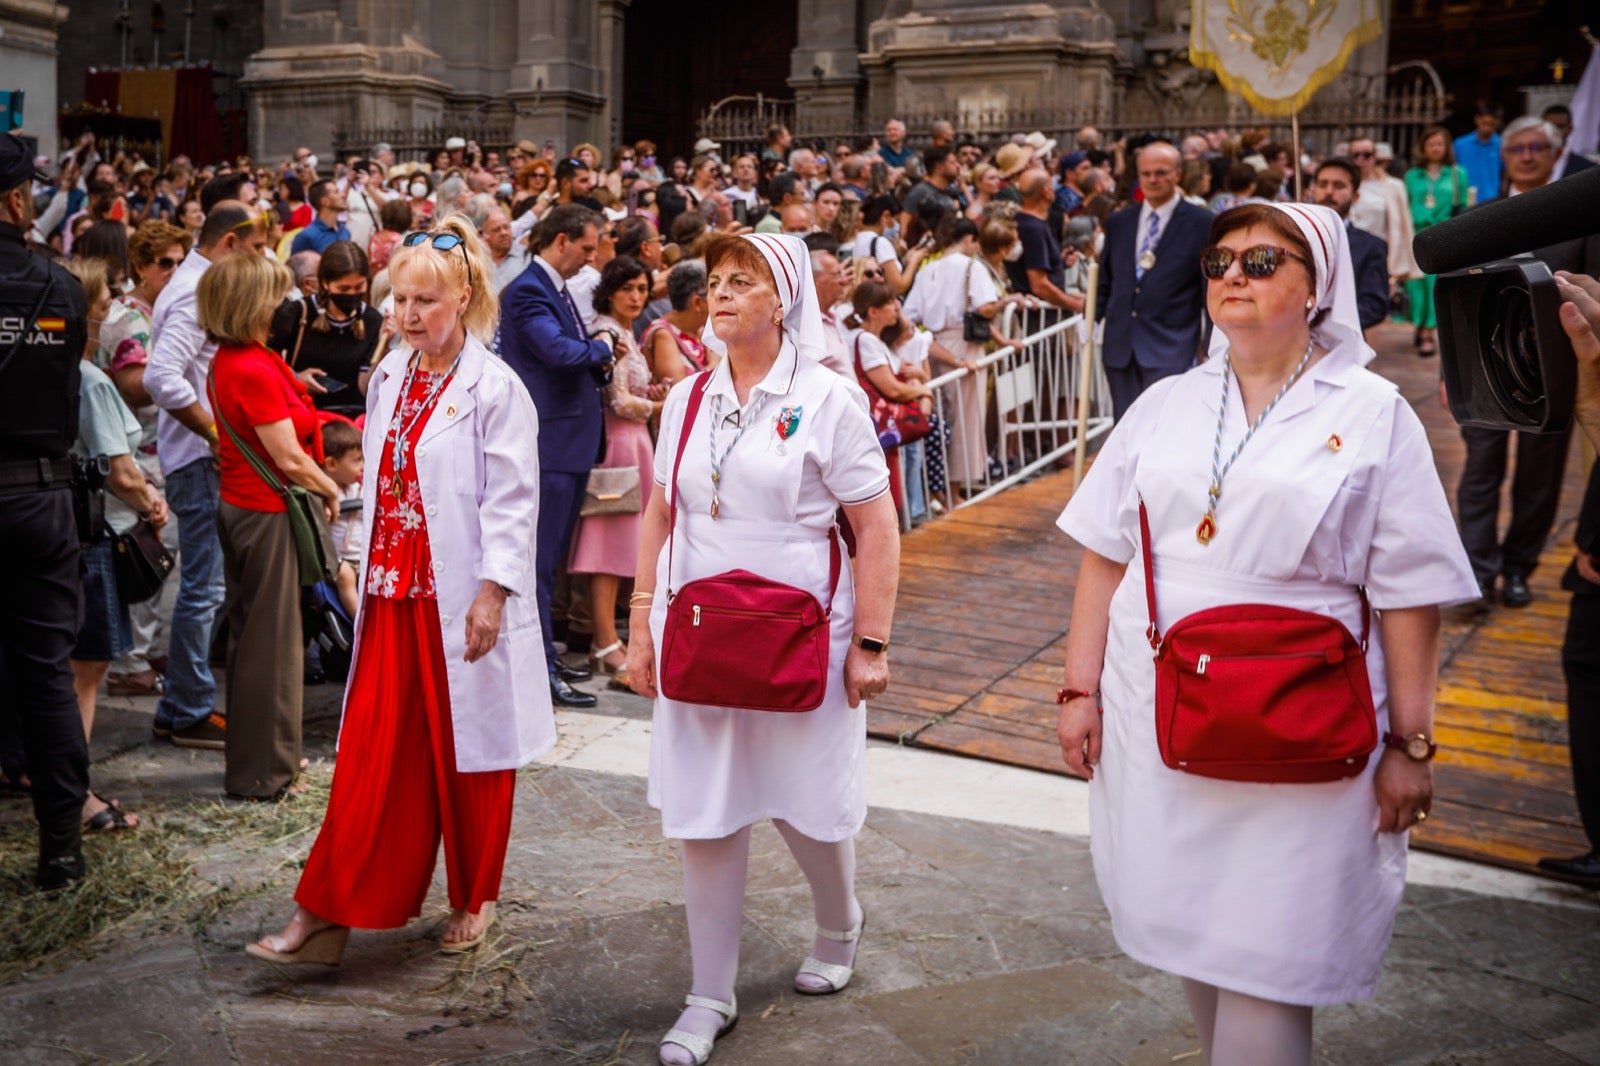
<point>1065,694</point>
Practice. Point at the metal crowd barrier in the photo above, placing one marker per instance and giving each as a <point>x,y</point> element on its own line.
<point>1026,407</point>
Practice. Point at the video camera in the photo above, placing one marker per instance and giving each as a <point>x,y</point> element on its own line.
<point>1507,362</point>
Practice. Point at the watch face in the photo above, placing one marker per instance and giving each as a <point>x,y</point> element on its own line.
<point>1418,747</point>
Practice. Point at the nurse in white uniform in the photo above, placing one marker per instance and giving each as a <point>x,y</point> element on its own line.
<point>779,445</point>
<point>1267,899</point>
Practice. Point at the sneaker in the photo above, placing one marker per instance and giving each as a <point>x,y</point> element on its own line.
<point>161,730</point>
<point>210,732</point>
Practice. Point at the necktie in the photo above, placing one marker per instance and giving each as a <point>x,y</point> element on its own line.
<point>1147,247</point>
<point>577,319</point>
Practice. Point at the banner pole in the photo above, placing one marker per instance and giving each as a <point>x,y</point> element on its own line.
<point>1086,373</point>
<point>1294,126</point>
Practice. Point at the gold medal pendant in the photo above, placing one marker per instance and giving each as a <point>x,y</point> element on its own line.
<point>716,505</point>
<point>1206,529</point>
<point>398,487</point>
<point>1147,260</point>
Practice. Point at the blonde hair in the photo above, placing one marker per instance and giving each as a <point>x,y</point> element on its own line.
<point>482,315</point>
<point>93,274</point>
<point>237,296</point>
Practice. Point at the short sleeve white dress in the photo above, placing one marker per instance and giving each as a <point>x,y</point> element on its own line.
<point>715,770</point>
<point>1284,892</point>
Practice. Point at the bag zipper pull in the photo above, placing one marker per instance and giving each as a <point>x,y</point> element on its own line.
<point>1200,667</point>
<point>697,614</point>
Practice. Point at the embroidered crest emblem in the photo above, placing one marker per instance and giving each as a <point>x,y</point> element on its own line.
<point>788,422</point>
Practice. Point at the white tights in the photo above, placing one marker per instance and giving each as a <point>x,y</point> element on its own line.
<point>1240,1030</point>
<point>714,873</point>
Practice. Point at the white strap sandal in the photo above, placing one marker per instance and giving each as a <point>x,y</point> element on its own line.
<point>598,656</point>
<point>693,1043</point>
<point>835,974</point>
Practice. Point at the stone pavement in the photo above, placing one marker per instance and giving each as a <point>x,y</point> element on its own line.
<point>986,941</point>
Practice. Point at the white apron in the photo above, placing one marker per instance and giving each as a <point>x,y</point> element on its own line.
<point>715,770</point>
<point>1284,892</point>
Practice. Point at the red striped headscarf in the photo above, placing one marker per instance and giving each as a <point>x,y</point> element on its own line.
<point>790,262</point>
<point>1340,331</point>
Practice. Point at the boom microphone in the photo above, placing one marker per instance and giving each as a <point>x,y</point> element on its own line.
<point>1560,211</point>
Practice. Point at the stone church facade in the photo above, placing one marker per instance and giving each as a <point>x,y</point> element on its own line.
<point>576,70</point>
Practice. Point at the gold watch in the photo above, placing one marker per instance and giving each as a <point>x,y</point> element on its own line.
<point>1418,747</point>
<point>870,645</point>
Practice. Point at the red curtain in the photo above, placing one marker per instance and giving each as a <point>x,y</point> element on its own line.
<point>193,127</point>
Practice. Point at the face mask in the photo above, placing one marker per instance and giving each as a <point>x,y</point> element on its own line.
<point>505,190</point>
<point>893,232</point>
<point>348,303</point>
<point>419,189</point>
<point>1015,253</point>
<point>648,161</point>
<point>626,166</point>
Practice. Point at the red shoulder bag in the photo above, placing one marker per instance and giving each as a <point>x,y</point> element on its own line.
<point>1256,692</point>
<point>740,640</point>
<point>897,423</point>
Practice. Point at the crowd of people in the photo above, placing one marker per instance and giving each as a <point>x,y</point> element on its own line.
<point>461,381</point>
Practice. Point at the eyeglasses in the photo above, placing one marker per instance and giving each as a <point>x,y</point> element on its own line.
<point>628,159</point>
<point>1527,149</point>
<point>443,241</point>
<point>872,273</point>
<point>1258,261</point>
<point>1362,155</point>
<point>165,263</point>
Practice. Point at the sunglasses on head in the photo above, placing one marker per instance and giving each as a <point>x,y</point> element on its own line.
<point>443,241</point>
<point>1258,261</point>
<point>263,220</point>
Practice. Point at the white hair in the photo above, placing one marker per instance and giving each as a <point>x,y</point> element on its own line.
<point>1518,127</point>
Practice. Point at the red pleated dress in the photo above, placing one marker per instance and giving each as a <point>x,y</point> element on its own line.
<point>396,790</point>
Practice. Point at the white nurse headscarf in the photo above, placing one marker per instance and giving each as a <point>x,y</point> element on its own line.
<point>1335,290</point>
<point>790,261</point>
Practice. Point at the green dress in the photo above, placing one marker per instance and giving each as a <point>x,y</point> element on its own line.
<point>1432,201</point>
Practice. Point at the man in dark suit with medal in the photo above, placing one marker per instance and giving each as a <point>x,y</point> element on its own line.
<point>1152,294</point>
<point>543,339</point>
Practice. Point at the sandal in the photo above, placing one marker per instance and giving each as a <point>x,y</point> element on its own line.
<point>460,947</point>
<point>696,1045</point>
<point>598,657</point>
<point>109,819</point>
<point>835,975</point>
<point>143,683</point>
<point>325,945</point>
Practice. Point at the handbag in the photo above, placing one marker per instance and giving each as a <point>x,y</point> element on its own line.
<point>740,640</point>
<point>141,563</point>
<point>896,423</point>
<point>974,327</point>
<point>313,545</point>
<point>611,490</point>
<point>1257,692</point>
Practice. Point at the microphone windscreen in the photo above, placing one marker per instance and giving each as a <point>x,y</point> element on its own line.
<point>1560,211</point>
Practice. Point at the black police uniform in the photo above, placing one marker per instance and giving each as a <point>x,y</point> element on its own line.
<point>39,595</point>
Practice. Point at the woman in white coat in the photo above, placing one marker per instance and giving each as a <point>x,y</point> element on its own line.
<point>1314,480</point>
<point>781,443</point>
<point>447,693</point>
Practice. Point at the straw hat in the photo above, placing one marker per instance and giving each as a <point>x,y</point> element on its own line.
<point>1011,159</point>
<point>1040,144</point>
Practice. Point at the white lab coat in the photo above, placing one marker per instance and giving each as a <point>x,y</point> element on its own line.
<point>478,468</point>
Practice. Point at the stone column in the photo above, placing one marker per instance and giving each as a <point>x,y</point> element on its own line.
<point>28,36</point>
<point>361,64</point>
<point>825,68</point>
<point>611,40</point>
<point>559,87</point>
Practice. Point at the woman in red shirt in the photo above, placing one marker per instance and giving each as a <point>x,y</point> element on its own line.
<point>256,398</point>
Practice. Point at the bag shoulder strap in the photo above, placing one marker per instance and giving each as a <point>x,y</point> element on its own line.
<point>294,357</point>
<point>256,462</point>
<point>966,288</point>
<point>697,394</point>
<point>1154,634</point>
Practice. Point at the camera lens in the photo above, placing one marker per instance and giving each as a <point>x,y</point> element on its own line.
<point>1513,363</point>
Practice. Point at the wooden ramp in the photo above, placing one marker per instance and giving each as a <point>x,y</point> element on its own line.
<point>985,596</point>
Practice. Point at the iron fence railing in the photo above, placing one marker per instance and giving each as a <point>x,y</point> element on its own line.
<point>420,143</point>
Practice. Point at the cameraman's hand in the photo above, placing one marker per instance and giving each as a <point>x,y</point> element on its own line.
<point>1580,317</point>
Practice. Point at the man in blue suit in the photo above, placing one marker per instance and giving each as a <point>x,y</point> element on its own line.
<point>1152,294</point>
<point>1336,186</point>
<point>543,339</point>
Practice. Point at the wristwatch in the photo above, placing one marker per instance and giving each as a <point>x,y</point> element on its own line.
<point>870,645</point>
<point>616,338</point>
<point>1418,747</point>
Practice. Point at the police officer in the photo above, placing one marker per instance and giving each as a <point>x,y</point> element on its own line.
<point>43,330</point>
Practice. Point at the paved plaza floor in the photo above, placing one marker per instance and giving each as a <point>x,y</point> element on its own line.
<point>986,941</point>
